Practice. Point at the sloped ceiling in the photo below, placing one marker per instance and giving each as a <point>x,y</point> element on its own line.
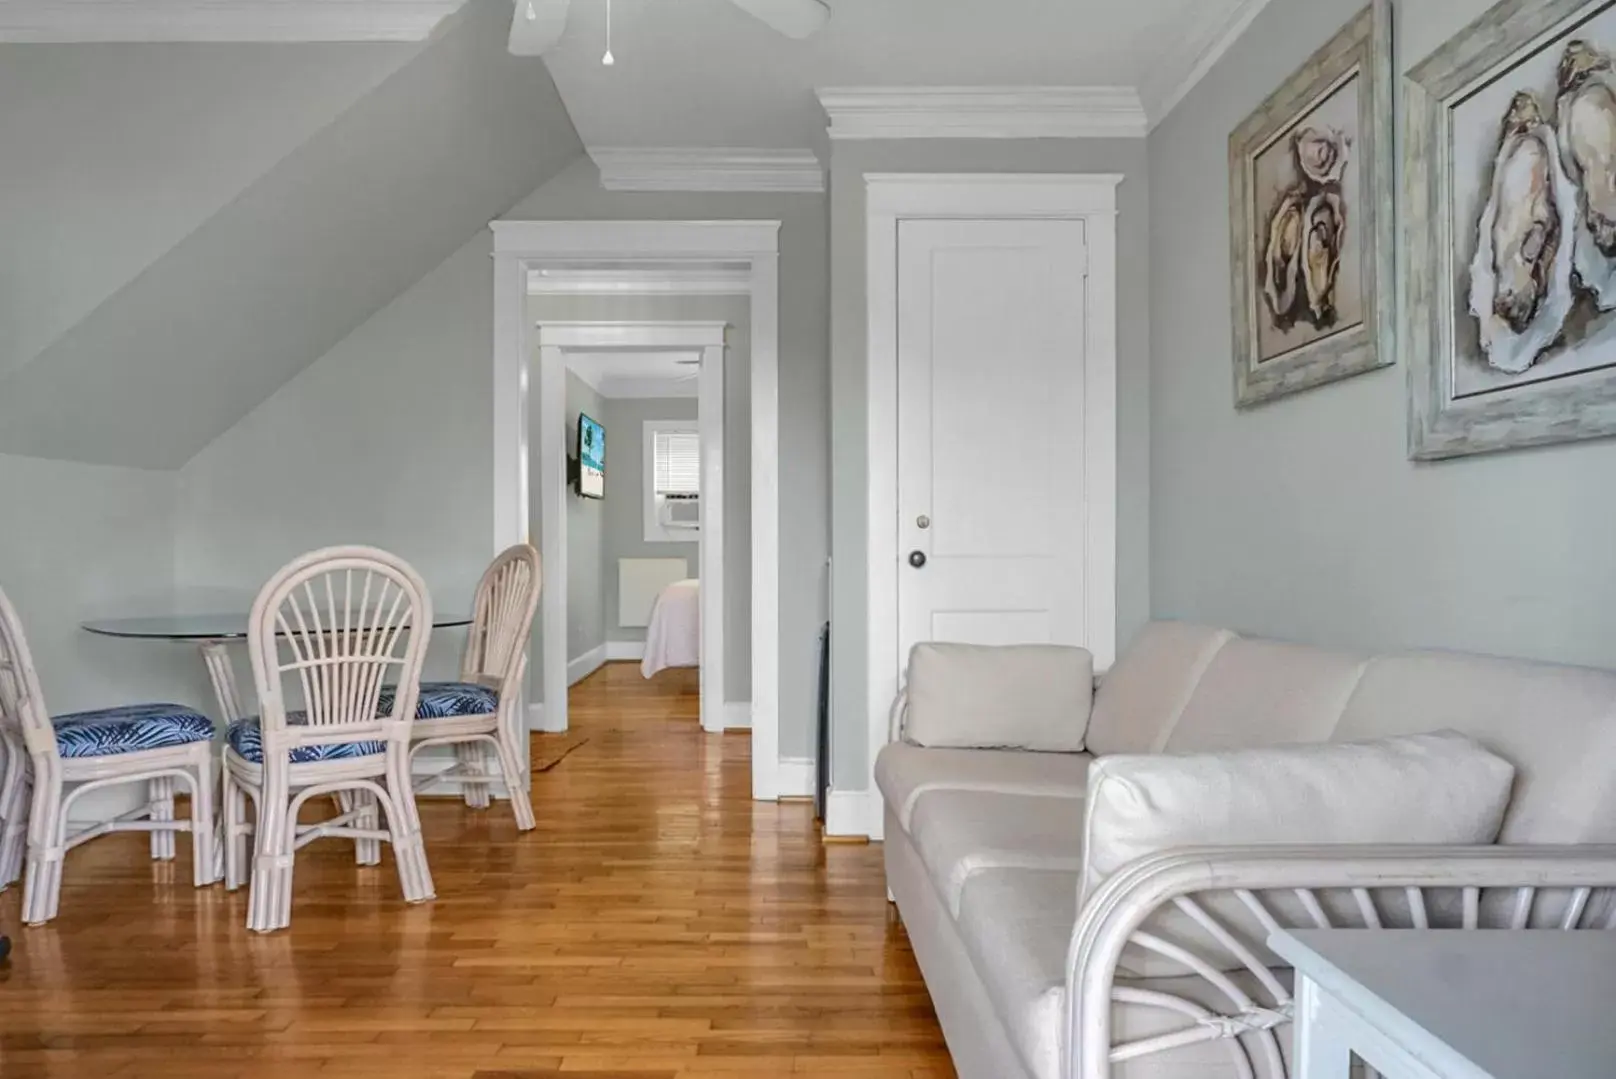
<point>304,254</point>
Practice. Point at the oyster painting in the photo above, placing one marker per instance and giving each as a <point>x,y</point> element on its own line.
<point>1537,282</point>
<point>1310,219</point>
<point>1308,197</point>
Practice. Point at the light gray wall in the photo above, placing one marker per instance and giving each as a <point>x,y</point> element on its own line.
<point>1304,518</point>
<point>586,533</point>
<point>113,154</point>
<point>384,441</point>
<point>313,247</point>
<point>733,310</point>
<point>849,416</point>
<point>804,398</point>
<point>625,525</point>
<point>88,541</point>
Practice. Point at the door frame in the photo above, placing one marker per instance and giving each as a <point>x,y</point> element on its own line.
<point>556,340</point>
<point>894,197</point>
<point>519,245</point>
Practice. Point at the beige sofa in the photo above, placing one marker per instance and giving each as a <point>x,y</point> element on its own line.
<point>985,849</point>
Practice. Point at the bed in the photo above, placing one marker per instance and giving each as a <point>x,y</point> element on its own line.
<point>673,638</point>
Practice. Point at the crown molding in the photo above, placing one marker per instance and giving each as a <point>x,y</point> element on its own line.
<point>676,169</point>
<point>1190,57</point>
<point>71,21</point>
<point>635,281</point>
<point>983,112</point>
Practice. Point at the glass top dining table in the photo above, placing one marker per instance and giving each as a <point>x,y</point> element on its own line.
<point>231,626</point>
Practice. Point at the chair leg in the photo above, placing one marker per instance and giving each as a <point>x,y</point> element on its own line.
<point>366,851</point>
<point>269,905</point>
<point>409,849</point>
<point>472,760</point>
<point>14,793</point>
<point>510,764</point>
<point>204,824</point>
<point>160,804</point>
<point>235,832</point>
<point>47,843</point>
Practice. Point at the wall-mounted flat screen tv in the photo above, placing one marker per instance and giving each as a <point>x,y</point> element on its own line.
<point>591,458</point>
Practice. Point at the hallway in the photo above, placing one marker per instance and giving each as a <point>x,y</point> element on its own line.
<point>657,924</point>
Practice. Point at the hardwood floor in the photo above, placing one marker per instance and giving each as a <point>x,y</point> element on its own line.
<point>659,923</point>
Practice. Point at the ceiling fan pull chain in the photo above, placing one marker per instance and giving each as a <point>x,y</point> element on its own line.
<point>608,60</point>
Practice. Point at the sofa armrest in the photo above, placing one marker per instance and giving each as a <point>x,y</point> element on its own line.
<point>1114,915</point>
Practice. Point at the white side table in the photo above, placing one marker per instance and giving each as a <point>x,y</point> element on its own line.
<point>1454,1004</point>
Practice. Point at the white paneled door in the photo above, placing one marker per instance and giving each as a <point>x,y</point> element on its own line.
<point>991,432</point>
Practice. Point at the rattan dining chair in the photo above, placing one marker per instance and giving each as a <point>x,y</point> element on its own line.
<point>66,757</point>
<point>483,709</point>
<point>335,627</point>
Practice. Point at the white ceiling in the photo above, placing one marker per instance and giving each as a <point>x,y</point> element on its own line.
<point>703,73</point>
<point>637,374</point>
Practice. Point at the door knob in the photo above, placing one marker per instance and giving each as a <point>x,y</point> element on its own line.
<point>917,558</point>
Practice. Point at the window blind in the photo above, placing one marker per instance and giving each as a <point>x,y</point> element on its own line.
<point>678,463</point>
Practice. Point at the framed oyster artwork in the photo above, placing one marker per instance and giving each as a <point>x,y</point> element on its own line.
<point>1310,218</point>
<point>1511,216</point>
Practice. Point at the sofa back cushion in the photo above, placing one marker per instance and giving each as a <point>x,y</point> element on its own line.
<point>1141,696</point>
<point>1555,724</point>
<point>1439,788</point>
<point>1266,693</point>
<point>1025,696</point>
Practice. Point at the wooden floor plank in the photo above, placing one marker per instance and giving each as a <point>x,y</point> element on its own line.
<point>658,925</point>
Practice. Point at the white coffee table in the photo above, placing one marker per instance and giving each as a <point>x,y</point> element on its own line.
<point>1452,1004</point>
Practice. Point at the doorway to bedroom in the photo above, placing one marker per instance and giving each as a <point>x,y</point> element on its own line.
<point>652,366</point>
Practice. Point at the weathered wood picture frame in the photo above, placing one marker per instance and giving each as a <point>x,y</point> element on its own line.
<point>1311,222</point>
<point>1510,302</point>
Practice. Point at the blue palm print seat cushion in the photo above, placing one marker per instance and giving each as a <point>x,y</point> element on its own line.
<point>246,737</point>
<point>129,729</point>
<point>445,700</point>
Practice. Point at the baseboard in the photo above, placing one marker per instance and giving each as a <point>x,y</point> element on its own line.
<point>586,664</point>
<point>794,778</point>
<point>536,720</point>
<point>737,715</point>
<point>847,813</point>
<point>617,651</point>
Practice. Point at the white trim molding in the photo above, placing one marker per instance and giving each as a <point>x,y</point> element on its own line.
<point>894,197</point>
<point>797,776</point>
<point>67,21</point>
<point>738,717</point>
<point>1208,31</point>
<point>638,281</point>
<point>581,667</point>
<point>853,813</point>
<point>625,651</point>
<point>519,247</point>
<point>983,112</point>
<point>676,169</point>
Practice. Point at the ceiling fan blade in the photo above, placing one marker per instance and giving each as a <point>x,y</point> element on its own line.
<point>535,36</point>
<point>794,18</point>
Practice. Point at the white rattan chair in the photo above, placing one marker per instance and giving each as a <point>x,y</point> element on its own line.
<point>336,625</point>
<point>483,709</point>
<point>69,756</point>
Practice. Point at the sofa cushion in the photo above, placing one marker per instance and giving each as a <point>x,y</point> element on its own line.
<point>1556,724</point>
<point>1140,698</point>
<point>905,772</point>
<point>1264,693</point>
<point>1024,696</point>
<point>1424,788</point>
<point>962,833</point>
<point>1016,925</point>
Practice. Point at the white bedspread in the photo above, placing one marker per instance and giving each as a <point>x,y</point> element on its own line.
<point>674,637</point>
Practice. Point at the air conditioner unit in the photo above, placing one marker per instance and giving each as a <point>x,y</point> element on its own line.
<point>681,513</point>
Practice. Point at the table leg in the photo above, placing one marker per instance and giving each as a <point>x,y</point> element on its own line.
<point>1323,1050</point>
<point>222,672</point>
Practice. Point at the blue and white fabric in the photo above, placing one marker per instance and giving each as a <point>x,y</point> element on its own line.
<point>246,737</point>
<point>131,728</point>
<point>446,700</point>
